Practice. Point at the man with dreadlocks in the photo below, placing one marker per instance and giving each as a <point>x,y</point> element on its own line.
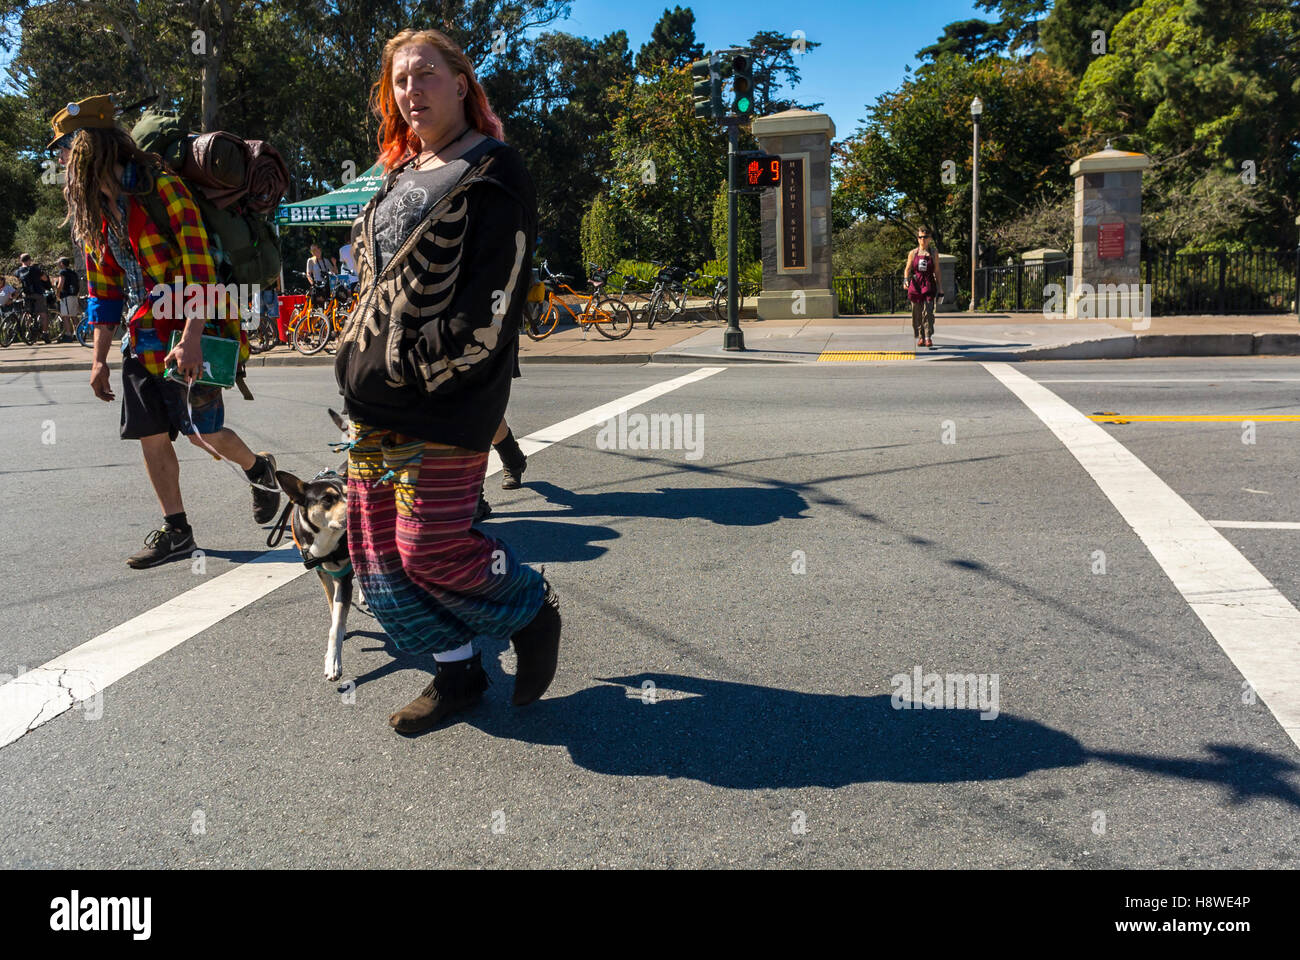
<point>130,260</point>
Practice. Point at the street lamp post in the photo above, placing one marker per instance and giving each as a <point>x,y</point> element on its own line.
<point>976,108</point>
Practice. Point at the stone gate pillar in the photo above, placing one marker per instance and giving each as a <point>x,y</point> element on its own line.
<point>1107,234</point>
<point>796,216</point>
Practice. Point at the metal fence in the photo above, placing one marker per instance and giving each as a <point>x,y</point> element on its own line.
<point>880,294</point>
<point>1256,281</point>
<point>1020,286</point>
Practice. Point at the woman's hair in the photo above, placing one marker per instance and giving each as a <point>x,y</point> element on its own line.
<point>929,238</point>
<point>92,162</point>
<point>396,139</point>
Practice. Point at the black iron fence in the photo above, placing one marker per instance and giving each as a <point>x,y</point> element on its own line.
<point>881,294</point>
<point>1022,286</point>
<point>1256,281</point>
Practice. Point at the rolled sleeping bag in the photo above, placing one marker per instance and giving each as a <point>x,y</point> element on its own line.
<point>217,164</point>
<point>268,178</point>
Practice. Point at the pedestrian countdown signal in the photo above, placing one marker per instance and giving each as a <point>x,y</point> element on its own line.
<point>763,171</point>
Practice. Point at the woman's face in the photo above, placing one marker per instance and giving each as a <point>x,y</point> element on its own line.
<point>429,94</point>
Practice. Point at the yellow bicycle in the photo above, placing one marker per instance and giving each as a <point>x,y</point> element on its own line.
<point>611,318</point>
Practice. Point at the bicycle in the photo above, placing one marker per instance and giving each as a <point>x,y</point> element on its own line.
<point>324,321</point>
<point>611,318</point>
<point>718,297</point>
<point>8,324</point>
<point>669,295</point>
<point>632,292</point>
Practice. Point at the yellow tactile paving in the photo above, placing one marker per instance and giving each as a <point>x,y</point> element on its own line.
<point>854,356</point>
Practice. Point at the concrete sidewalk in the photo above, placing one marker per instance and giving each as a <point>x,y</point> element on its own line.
<point>1022,336</point>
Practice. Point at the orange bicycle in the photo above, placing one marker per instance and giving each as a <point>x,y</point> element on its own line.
<point>313,325</point>
<point>611,318</point>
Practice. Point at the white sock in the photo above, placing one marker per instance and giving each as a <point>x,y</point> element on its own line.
<point>463,652</point>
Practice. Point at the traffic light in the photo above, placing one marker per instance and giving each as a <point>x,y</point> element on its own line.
<point>706,93</point>
<point>742,85</point>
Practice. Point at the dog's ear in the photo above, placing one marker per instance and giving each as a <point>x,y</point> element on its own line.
<point>292,487</point>
<point>338,420</point>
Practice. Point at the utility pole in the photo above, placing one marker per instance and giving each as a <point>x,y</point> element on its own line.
<point>976,108</point>
<point>732,338</point>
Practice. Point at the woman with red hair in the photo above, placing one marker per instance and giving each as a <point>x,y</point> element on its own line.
<point>443,253</point>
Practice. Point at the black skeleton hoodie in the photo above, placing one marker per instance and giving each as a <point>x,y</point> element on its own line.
<point>429,349</point>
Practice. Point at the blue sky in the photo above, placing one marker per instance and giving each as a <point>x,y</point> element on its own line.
<point>865,43</point>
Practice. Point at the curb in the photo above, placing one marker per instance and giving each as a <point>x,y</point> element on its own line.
<point>1103,348</point>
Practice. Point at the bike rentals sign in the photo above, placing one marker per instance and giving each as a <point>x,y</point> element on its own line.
<point>338,208</point>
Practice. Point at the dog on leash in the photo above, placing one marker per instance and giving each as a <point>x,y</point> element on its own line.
<point>318,517</point>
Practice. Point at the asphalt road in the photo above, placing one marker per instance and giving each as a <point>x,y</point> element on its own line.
<point>1122,737</point>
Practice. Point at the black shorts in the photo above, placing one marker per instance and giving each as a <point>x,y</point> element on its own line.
<point>152,405</point>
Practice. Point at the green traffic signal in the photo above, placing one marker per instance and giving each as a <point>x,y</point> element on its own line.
<point>742,84</point>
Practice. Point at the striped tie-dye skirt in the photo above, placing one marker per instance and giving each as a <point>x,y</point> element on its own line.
<point>433,582</point>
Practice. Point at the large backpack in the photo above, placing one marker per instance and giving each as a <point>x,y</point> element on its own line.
<point>244,247</point>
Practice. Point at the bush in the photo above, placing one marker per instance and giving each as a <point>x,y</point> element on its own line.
<point>748,238</point>
<point>602,240</point>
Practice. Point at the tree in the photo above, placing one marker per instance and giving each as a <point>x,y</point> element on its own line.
<point>1215,85</point>
<point>968,39</point>
<point>671,44</point>
<point>666,167</point>
<point>893,168</point>
<point>1067,33</point>
<point>774,66</point>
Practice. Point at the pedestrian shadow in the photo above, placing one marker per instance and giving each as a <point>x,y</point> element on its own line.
<point>397,660</point>
<point>234,556</point>
<point>746,737</point>
<point>725,506</point>
<point>550,541</point>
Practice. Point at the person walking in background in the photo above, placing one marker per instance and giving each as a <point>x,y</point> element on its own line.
<point>922,280</point>
<point>130,262</point>
<point>425,367</point>
<point>66,287</point>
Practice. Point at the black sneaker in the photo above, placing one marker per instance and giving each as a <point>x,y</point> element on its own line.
<point>456,686</point>
<point>162,545</point>
<point>537,649</point>
<point>266,502</point>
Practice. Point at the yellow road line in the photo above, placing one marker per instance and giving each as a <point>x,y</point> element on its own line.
<point>850,356</point>
<point>1196,418</point>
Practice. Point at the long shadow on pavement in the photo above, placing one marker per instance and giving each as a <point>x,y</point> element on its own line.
<point>743,736</point>
<point>746,737</point>
<point>725,506</point>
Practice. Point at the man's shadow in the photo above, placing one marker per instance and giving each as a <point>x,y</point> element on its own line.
<point>726,506</point>
<point>745,736</point>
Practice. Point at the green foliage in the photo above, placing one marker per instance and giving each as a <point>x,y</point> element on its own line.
<point>40,234</point>
<point>672,43</point>
<point>968,39</point>
<point>666,167</point>
<point>748,236</point>
<point>891,168</point>
<point>1066,34</point>
<point>871,248</point>
<point>602,237</point>
<point>1210,84</point>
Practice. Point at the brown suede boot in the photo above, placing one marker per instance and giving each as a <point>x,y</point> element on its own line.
<point>537,647</point>
<point>456,686</point>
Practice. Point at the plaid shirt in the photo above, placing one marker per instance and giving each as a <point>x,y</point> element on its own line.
<point>162,264</point>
